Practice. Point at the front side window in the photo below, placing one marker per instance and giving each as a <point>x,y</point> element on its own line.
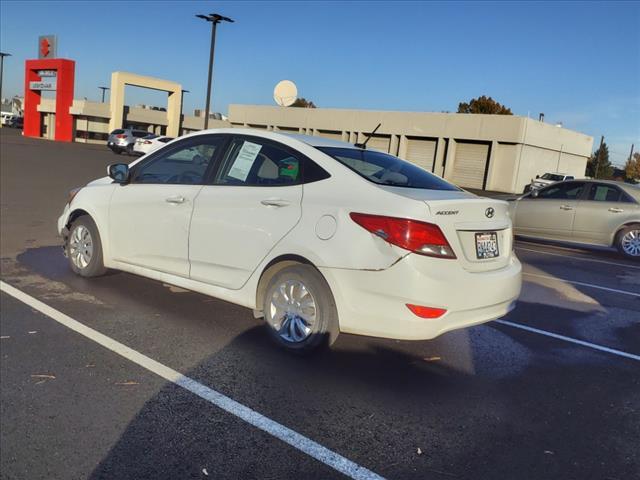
<point>562,191</point>
<point>185,163</point>
<point>250,163</point>
<point>385,169</point>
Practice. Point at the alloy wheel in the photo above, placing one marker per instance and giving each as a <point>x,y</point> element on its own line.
<point>81,246</point>
<point>292,311</point>
<point>631,243</point>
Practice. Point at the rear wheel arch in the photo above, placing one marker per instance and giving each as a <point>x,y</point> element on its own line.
<point>622,227</point>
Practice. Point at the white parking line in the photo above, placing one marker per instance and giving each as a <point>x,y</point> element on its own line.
<point>296,440</point>
<point>625,265</point>
<point>594,346</point>
<point>590,285</point>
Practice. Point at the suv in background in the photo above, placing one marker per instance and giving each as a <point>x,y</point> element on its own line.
<point>123,139</point>
<point>546,180</point>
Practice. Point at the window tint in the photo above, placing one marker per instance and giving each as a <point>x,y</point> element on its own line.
<point>384,169</point>
<point>117,132</point>
<point>165,139</point>
<point>569,177</point>
<point>607,193</point>
<point>139,133</point>
<point>248,162</point>
<point>564,190</point>
<point>185,163</point>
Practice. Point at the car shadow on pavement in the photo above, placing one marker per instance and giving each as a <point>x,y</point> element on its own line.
<point>486,402</point>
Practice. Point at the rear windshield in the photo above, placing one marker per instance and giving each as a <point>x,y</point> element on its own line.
<point>384,169</point>
<point>117,132</point>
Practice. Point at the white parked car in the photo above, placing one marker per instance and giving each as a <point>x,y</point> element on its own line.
<point>546,180</point>
<point>150,143</point>
<point>315,235</point>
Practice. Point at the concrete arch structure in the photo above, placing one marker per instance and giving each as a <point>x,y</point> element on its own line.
<point>174,103</point>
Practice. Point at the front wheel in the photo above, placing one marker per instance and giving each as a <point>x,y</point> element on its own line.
<point>299,310</point>
<point>628,241</point>
<point>84,248</point>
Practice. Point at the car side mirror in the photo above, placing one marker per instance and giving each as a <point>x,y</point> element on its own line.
<point>118,172</point>
<point>537,176</point>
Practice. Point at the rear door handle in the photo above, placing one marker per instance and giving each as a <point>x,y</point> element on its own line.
<point>275,202</point>
<point>175,200</point>
<point>616,210</point>
<point>566,207</point>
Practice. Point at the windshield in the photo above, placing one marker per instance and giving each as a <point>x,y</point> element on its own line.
<point>384,169</point>
<point>552,177</point>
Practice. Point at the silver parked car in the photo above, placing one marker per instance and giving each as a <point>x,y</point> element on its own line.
<point>123,140</point>
<point>591,212</point>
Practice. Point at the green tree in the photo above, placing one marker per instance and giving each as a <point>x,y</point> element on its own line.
<point>604,166</point>
<point>303,103</point>
<point>632,167</point>
<point>484,104</point>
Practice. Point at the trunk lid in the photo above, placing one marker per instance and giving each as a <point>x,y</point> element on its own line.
<point>462,217</point>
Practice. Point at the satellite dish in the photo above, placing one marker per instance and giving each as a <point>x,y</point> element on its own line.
<point>285,93</point>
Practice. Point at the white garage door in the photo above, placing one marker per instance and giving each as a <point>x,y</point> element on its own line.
<point>379,143</point>
<point>421,152</point>
<point>470,163</point>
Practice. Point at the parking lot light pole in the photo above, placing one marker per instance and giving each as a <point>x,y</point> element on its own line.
<point>2,55</point>
<point>103,90</point>
<point>215,19</point>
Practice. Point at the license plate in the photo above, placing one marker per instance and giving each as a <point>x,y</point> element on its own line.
<point>487,245</point>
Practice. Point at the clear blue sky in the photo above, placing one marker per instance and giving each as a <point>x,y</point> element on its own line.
<point>579,63</point>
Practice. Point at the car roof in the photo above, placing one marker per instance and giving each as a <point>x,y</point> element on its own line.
<point>312,140</point>
<point>317,141</point>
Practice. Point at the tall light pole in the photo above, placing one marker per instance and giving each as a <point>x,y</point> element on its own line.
<point>2,55</point>
<point>215,19</point>
<point>103,90</point>
<point>182,92</point>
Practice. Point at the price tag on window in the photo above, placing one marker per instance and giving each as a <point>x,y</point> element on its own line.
<point>244,161</point>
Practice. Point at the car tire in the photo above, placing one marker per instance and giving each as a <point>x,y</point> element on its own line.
<point>628,241</point>
<point>84,248</point>
<point>299,310</point>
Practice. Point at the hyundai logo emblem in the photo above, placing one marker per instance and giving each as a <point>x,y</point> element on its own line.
<point>489,212</point>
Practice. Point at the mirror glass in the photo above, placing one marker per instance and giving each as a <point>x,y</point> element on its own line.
<point>119,172</point>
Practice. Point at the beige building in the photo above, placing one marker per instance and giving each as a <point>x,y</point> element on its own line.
<point>489,152</point>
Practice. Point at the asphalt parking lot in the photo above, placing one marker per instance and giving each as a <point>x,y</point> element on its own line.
<point>551,391</point>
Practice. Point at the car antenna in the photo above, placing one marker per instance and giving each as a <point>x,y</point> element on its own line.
<point>369,135</point>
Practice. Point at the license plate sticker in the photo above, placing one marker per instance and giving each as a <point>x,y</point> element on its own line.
<point>487,245</point>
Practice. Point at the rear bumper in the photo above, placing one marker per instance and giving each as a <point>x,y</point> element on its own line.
<point>373,303</point>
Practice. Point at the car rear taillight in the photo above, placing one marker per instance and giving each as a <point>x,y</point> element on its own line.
<point>122,135</point>
<point>147,142</point>
<point>426,312</point>
<point>418,237</point>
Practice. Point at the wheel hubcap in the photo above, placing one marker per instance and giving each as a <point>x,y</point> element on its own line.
<point>631,243</point>
<point>292,311</point>
<point>80,246</point>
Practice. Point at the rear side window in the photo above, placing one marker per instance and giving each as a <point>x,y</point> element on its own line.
<point>384,169</point>
<point>253,163</point>
<point>607,193</point>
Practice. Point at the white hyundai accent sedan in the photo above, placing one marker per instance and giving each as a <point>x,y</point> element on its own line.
<point>316,236</point>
